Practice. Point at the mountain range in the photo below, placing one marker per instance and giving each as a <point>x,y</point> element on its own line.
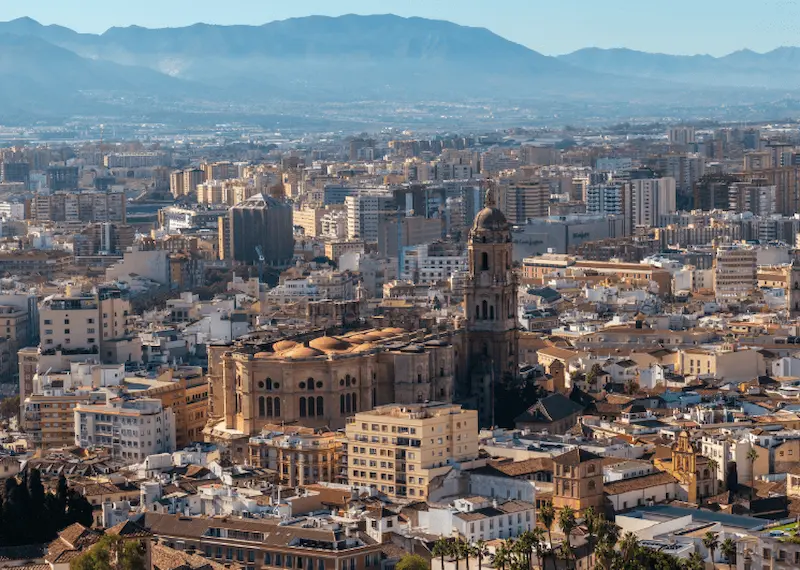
<point>296,65</point>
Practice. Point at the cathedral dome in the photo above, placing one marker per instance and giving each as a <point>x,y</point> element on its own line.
<point>301,351</point>
<point>329,344</point>
<point>490,219</point>
<point>282,345</point>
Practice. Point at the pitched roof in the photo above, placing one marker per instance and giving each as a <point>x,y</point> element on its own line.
<point>575,457</point>
<point>553,408</point>
<point>639,483</point>
<point>129,529</point>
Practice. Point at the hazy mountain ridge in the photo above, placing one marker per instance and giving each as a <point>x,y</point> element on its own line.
<point>303,62</point>
<point>776,69</point>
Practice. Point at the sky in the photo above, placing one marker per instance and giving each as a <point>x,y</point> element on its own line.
<point>552,27</point>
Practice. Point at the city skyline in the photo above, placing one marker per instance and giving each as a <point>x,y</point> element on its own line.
<point>618,24</point>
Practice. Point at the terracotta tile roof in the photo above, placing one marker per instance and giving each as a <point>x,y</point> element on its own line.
<point>165,558</point>
<point>526,467</point>
<point>638,483</point>
<point>129,529</point>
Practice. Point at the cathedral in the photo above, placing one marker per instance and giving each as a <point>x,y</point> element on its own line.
<point>490,309</point>
<point>317,379</point>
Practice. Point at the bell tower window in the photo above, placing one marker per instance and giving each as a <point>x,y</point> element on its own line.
<point>484,261</point>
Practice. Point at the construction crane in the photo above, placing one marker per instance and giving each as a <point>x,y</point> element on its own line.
<point>261,260</point>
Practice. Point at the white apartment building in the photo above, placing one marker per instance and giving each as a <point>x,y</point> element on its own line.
<point>647,200</point>
<point>479,518</point>
<point>734,273</point>
<point>363,212</point>
<point>130,429</point>
<point>12,210</point>
<point>333,225</point>
<point>432,263</point>
<point>604,198</point>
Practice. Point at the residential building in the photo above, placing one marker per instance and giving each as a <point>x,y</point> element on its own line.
<point>265,543</point>
<point>299,455</point>
<point>735,271</point>
<point>649,199</point>
<point>130,429</point>
<point>364,210</point>
<point>401,449</point>
<point>261,227</point>
<point>526,200</point>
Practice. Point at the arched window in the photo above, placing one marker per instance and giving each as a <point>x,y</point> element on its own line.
<point>277,407</point>
<point>355,406</point>
<point>269,407</point>
<point>484,261</point>
<point>302,407</point>
<point>341,404</point>
<point>590,469</point>
<point>269,383</point>
<point>311,407</point>
<point>262,410</point>
<point>592,485</point>
<point>310,384</point>
<point>491,313</point>
<point>320,406</point>
<point>347,380</point>
<point>485,307</point>
<point>706,474</point>
<point>347,404</point>
<point>477,311</point>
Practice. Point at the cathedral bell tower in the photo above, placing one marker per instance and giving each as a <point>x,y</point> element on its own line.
<point>490,307</point>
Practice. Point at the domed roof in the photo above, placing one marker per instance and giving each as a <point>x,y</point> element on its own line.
<point>373,336</point>
<point>356,338</point>
<point>366,347</point>
<point>261,355</point>
<point>330,343</point>
<point>396,330</point>
<point>282,345</point>
<point>301,351</point>
<point>490,218</point>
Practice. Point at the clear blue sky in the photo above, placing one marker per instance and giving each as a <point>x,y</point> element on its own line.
<point>548,26</point>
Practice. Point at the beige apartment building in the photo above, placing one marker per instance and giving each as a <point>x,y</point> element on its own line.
<point>79,327</point>
<point>300,455</point>
<point>401,449</point>
<point>50,419</point>
<point>734,273</point>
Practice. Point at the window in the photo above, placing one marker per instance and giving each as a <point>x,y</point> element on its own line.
<point>484,261</point>
<point>320,406</point>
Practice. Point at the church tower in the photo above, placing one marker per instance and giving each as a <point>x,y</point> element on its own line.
<point>490,307</point>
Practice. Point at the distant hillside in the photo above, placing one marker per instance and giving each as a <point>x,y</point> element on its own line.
<point>288,68</point>
<point>778,69</point>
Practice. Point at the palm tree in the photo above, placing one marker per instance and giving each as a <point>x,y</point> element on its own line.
<point>525,541</point>
<point>629,548</point>
<point>752,455</point>
<point>695,562</point>
<point>592,521</point>
<point>711,542</point>
<point>502,555</point>
<point>455,550</point>
<point>463,550</point>
<point>547,514</point>
<point>520,549</point>
<point>537,535</point>
<point>728,550</point>
<point>566,520</point>
<point>441,548</point>
<point>479,549</point>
